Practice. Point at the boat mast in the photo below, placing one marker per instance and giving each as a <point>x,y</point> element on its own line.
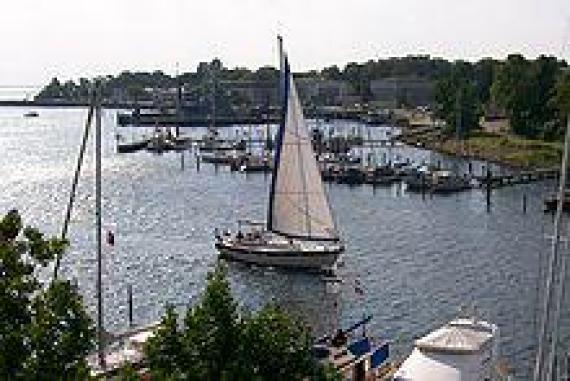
<point>76,175</point>
<point>277,146</point>
<point>554,284</point>
<point>100,336</point>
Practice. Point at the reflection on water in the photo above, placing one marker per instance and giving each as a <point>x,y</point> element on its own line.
<point>417,259</point>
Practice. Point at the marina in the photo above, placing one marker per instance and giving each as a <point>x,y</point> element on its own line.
<point>387,204</point>
<point>156,207</point>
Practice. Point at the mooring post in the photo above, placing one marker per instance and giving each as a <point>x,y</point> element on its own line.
<point>197,162</point>
<point>182,160</point>
<point>423,186</point>
<point>524,203</point>
<point>488,190</point>
<point>130,304</point>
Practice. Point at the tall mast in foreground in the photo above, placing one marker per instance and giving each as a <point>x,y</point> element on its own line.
<point>100,335</point>
<point>554,289</point>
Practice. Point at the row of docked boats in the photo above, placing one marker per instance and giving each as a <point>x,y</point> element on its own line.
<point>161,141</point>
<point>417,178</point>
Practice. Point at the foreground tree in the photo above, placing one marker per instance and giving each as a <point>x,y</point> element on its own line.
<point>45,332</point>
<point>215,343</point>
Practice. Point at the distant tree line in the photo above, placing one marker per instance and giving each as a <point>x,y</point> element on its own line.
<point>531,93</point>
<point>358,75</point>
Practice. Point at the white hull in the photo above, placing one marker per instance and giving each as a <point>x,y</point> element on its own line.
<point>322,259</point>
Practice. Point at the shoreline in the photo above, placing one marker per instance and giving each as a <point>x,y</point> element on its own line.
<point>510,151</point>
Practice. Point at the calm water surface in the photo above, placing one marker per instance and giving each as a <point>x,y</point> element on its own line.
<point>419,259</point>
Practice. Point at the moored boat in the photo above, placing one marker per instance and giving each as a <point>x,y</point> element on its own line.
<point>551,202</point>
<point>465,349</point>
<point>32,114</point>
<point>357,357</point>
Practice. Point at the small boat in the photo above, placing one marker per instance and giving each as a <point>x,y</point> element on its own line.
<point>551,203</point>
<point>219,157</point>
<point>32,114</point>
<point>253,163</point>
<point>132,147</point>
<point>436,181</point>
<point>160,142</point>
<point>300,231</point>
<point>465,349</point>
<point>448,182</point>
<point>356,356</point>
<point>381,175</point>
<point>351,174</point>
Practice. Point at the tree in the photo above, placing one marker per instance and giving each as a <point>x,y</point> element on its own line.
<point>206,349</point>
<point>212,328</point>
<point>456,97</point>
<point>332,72</point>
<point>45,331</point>
<point>164,350</point>
<point>277,348</point>
<point>561,96</point>
<point>52,90</point>
<point>216,343</point>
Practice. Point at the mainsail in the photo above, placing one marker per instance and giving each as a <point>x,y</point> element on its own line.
<point>298,205</point>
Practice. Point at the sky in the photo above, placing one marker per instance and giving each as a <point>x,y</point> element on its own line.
<point>68,39</point>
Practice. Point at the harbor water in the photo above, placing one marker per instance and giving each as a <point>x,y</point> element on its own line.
<point>418,259</point>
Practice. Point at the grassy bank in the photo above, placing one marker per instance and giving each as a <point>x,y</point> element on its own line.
<point>506,149</point>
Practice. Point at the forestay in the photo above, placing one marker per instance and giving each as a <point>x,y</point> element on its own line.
<point>299,203</point>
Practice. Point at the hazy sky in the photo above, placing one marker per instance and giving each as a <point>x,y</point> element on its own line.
<point>72,38</point>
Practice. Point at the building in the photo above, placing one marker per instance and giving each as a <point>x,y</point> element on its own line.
<point>324,92</point>
<point>256,93</point>
<point>398,92</point>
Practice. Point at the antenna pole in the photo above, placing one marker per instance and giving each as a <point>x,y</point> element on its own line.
<point>100,335</point>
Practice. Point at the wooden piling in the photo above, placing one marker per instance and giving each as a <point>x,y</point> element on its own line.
<point>488,190</point>
<point>130,304</point>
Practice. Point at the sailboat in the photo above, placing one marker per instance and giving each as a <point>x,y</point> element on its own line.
<point>300,231</point>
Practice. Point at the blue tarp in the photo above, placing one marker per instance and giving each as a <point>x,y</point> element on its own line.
<point>360,347</point>
<point>379,356</point>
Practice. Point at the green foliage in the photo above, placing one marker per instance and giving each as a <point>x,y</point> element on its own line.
<point>278,348</point>
<point>215,343</point>
<point>45,332</point>
<point>524,90</point>
<point>127,373</point>
<point>561,97</point>
<point>458,101</point>
<point>164,350</point>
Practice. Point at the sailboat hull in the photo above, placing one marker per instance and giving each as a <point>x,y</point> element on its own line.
<point>314,258</point>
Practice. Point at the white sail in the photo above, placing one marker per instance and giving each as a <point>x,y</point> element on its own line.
<point>299,205</point>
